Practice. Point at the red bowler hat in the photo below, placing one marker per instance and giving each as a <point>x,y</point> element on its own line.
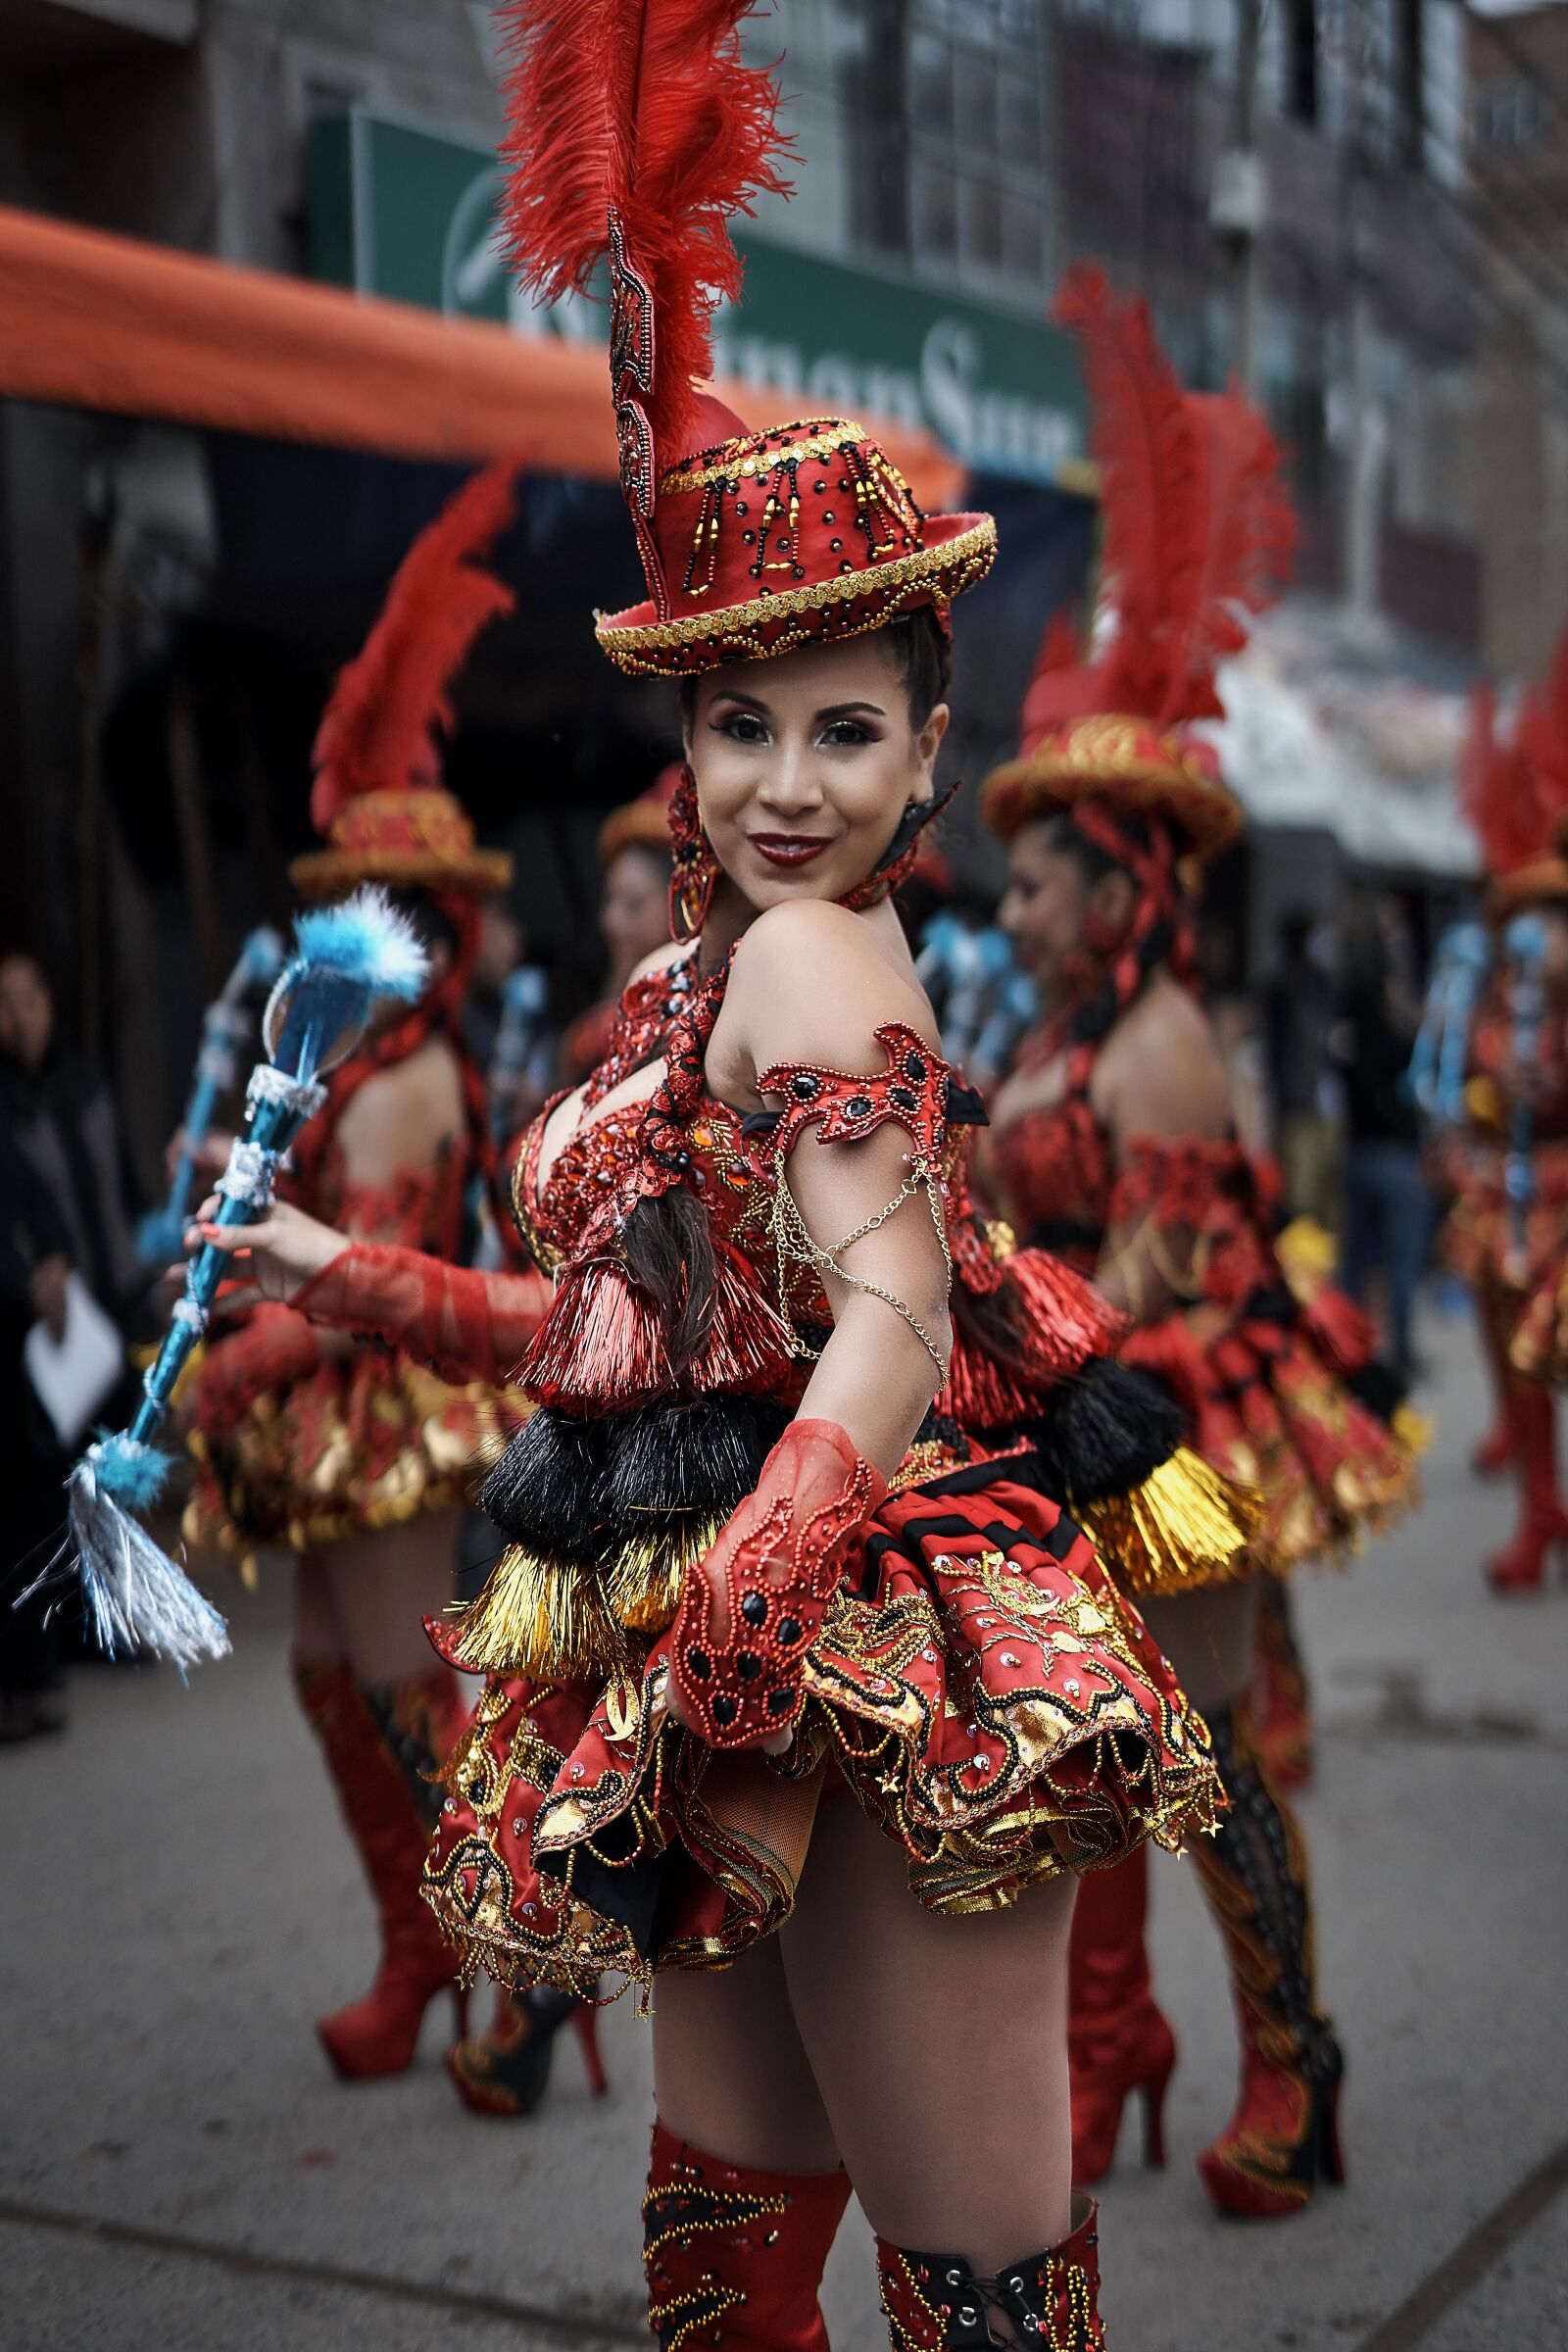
<point>762,542</point>
<point>642,146</point>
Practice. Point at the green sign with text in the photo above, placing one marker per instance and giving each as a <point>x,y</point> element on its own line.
<point>399,209</point>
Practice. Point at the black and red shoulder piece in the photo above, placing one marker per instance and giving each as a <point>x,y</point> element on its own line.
<point>914,1090</point>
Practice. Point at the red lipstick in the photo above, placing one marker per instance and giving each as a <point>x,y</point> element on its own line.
<point>790,848</point>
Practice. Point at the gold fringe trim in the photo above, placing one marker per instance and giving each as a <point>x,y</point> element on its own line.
<point>558,1620</point>
<point>1187,1524</point>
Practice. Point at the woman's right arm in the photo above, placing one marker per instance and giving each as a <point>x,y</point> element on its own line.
<point>465,1324</point>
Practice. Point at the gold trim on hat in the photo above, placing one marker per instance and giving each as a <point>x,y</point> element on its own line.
<point>970,553</point>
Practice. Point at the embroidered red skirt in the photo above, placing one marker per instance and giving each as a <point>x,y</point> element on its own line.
<point>977,1687</point>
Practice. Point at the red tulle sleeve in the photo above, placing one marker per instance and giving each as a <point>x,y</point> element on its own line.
<point>466,1325</point>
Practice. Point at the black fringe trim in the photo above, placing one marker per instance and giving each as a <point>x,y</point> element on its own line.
<point>583,1490</point>
<point>1105,1431</point>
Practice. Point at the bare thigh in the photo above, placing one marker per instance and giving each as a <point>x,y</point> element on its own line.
<point>938,2047</point>
<point>374,1592</point>
<point>730,2071</point>
<point>1208,1637</point>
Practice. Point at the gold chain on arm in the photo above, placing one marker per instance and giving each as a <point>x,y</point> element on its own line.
<point>795,1245</point>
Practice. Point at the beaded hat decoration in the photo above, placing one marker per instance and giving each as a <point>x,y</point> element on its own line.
<point>1515,791</point>
<point>377,794</point>
<point>634,132</point>
<point>1197,532</point>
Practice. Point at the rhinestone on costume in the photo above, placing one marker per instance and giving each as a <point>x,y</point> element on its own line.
<point>753,1608</point>
<point>779,1702</point>
<point>748,1665</point>
<point>789,1631</point>
<point>724,1708</point>
<point>701,1664</point>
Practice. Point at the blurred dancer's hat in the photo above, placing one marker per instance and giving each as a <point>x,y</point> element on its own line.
<point>1514,790</point>
<point>1197,531</point>
<point>379,796</point>
<point>642,823</point>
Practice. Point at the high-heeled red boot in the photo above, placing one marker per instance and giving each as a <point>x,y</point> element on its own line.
<point>380,1741</point>
<point>505,2071</point>
<point>936,2301</point>
<point>1284,2137</point>
<point>1542,1520</point>
<point>1284,1699</point>
<point>1119,2041</point>
<point>734,2256</point>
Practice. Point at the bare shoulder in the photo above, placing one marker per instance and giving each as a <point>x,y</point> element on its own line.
<point>405,1113</point>
<point>812,982</point>
<point>1161,1072</point>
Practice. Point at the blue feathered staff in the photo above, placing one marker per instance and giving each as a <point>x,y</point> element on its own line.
<point>1460,970</point>
<point>225,1027</point>
<point>346,959</point>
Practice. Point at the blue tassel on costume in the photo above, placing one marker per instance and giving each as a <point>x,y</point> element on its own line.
<point>346,960</point>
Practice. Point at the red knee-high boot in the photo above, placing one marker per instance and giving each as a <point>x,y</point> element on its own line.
<point>380,1741</point>
<point>1119,2041</point>
<point>735,2257</point>
<point>936,2301</point>
<point>1542,1520</point>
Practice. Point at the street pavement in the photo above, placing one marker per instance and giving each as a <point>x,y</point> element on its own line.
<point>178,2171</point>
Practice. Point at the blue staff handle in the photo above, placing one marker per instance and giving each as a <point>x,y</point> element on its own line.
<point>1525,942</point>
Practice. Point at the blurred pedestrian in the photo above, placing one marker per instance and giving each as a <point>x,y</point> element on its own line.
<point>1388,1210</point>
<point>59,1109</point>
<point>34,1269</point>
<point>1297,1015</point>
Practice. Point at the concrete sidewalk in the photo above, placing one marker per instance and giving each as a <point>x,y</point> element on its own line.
<point>178,2171</point>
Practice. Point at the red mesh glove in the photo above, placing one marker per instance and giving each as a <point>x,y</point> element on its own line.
<point>463,1324</point>
<point>748,1615</point>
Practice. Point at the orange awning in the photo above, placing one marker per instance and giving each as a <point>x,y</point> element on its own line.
<point>92,320</point>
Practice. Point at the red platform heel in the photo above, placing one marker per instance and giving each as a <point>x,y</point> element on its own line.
<point>505,2071</point>
<point>1284,2137</point>
<point>1520,1565</point>
<point>735,2256</point>
<point>380,1741</point>
<point>1119,2041</point>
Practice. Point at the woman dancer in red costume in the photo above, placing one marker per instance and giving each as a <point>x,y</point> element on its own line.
<point>1516,792</point>
<point>1112,1140</point>
<point>827,1698</point>
<point>633,913</point>
<point>357,1460</point>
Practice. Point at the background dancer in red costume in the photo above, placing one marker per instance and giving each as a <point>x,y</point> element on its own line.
<point>828,1696</point>
<point>357,1460</point>
<point>1509,1181</point>
<point>1114,1141</point>
<point>634,852</point>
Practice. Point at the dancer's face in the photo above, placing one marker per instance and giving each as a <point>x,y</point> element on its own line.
<point>635,911</point>
<point>804,766</point>
<point>1052,907</point>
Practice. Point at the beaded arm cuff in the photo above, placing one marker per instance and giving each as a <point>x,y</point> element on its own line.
<point>749,1614</point>
<point>912,1092</point>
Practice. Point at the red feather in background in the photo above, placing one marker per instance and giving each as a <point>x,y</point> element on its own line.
<point>1498,791</point>
<point>1544,739</point>
<point>1197,526</point>
<point>643,106</point>
<point>378,730</point>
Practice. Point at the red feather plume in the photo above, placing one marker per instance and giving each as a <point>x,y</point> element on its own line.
<point>378,730</point>
<point>1515,793</point>
<point>641,107</point>
<point>1198,528</point>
